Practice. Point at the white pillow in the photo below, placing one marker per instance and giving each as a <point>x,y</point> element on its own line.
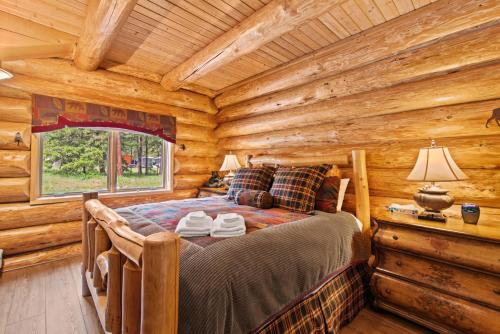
<point>342,190</point>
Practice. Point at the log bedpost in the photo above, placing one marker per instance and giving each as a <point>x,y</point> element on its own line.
<point>160,283</point>
<point>85,250</point>
<point>91,226</point>
<point>113,317</point>
<point>131,298</point>
<point>362,193</point>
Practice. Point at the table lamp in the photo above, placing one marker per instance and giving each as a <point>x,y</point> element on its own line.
<point>434,164</point>
<point>230,164</point>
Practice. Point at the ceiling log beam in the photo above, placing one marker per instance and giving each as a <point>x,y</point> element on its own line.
<point>270,22</point>
<point>102,24</point>
<point>16,52</point>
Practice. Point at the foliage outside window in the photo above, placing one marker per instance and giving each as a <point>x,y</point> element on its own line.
<point>75,160</point>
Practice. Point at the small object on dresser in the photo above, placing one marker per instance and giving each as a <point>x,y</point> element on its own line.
<point>470,213</point>
<point>434,164</point>
<point>409,209</point>
<point>215,181</point>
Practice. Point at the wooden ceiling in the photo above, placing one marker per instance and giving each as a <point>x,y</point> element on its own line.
<point>158,35</point>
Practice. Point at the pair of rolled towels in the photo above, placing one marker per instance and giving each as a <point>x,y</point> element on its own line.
<point>198,223</point>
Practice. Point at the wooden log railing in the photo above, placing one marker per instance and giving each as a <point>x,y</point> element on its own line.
<point>141,291</point>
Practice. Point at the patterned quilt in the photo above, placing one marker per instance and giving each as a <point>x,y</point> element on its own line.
<point>167,214</point>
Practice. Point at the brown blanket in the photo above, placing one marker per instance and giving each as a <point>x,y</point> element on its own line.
<point>233,286</point>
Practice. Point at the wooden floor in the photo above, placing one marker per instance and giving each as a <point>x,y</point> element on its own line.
<point>47,299</point>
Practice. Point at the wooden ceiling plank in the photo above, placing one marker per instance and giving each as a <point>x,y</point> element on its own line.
<point>420,3</point>
<point>289,46</point>
<point>37,11</point>
<point>228,9</point>
<point>297,43</point>
<point>331,23</point>
<point>241,7</point>
<point>323,31</point>
<point>404,6</point>
<point>102,25</point>
<point>208,16</point>
<point>357,15</point>
<point>184,31</point>
<point>273,20</point>
<point>388,8</point>
<point>312,34</point>
<point>372,11</point>
<point>215,12</point>
<point>165,27</point>
<point>345,20</point>
<point>263,58</point>
<point>182,17</point>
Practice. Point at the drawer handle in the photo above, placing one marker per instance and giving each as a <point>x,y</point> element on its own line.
<point>496,291</point>
<point>388,291</point>
<point>399,263</point>
<point>395,237</point>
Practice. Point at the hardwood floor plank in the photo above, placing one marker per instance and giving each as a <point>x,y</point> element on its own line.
<point>7,284</point>
<point>29,295</point>
<point>33,325</point>
<point>63,312</point>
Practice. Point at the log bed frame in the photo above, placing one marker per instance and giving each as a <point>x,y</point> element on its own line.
<point>134,280</point>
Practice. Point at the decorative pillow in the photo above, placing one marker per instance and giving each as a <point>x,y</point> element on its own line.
<point>258,178</point>
<point>295,188</point>
<point>256,198</point>
<point>328,194</point>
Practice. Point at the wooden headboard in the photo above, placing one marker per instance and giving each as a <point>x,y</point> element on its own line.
<point>359,176</point>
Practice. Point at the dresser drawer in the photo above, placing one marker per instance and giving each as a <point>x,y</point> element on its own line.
<point>469,284</point>
<point>434,307</point>
<point>482,254</point>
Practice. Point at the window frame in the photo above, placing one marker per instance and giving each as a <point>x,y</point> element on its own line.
<point>36,196</point>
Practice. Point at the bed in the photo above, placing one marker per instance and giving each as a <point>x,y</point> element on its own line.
<point>291,272</point>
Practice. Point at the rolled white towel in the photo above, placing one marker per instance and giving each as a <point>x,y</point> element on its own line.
<point>219,231</point>
<point>193,231</point>
<point>230,220</point>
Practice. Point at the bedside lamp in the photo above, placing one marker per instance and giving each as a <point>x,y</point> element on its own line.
<point>230,164</point>
<point>434,164</point>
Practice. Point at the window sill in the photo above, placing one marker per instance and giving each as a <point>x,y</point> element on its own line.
<point>78,197</point>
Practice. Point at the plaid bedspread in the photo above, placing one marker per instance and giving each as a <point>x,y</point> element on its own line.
<point>331,305</point>
<point>167,214</point>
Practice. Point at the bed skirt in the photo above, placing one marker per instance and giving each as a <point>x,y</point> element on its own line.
<point>331,305</point>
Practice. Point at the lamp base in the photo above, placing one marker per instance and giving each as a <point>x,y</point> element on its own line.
<point>431,215</point>
<point>228,179</point>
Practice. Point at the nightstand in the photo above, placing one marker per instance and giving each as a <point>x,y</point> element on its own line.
<point>443,276</point>
<point>211,192</point>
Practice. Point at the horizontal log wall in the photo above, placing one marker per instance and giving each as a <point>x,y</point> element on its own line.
<point>444,88</point>
<point>33,234</point>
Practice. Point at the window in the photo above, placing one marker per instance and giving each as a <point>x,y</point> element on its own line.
<point>70,161</point>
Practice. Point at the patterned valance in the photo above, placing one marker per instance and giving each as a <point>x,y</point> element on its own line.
<point>52,113</point>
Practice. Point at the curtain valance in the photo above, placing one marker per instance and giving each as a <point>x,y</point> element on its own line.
<point>52,113</point>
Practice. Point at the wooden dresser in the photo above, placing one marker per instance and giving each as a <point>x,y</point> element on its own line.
<point>210,192</point>
<point>443,276</point>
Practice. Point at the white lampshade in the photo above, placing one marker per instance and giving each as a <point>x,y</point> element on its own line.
<point>4,74</point>
<point>230,163</point>
<point>435,164</point>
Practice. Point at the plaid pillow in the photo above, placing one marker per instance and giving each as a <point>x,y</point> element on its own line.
<point>258,178</point>
<point>328,194</point>
<point>256,198</point>
<point>295,188</point>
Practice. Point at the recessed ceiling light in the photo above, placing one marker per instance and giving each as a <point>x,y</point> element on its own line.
<point>4,74</point>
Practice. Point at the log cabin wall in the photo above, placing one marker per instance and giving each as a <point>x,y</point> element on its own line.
<point>32,234</point>
<point>430,74</point>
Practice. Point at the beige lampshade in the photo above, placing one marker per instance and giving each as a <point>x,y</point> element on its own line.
<point>230,163</point>
<point>435,164</point>
<point>4,74</point>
